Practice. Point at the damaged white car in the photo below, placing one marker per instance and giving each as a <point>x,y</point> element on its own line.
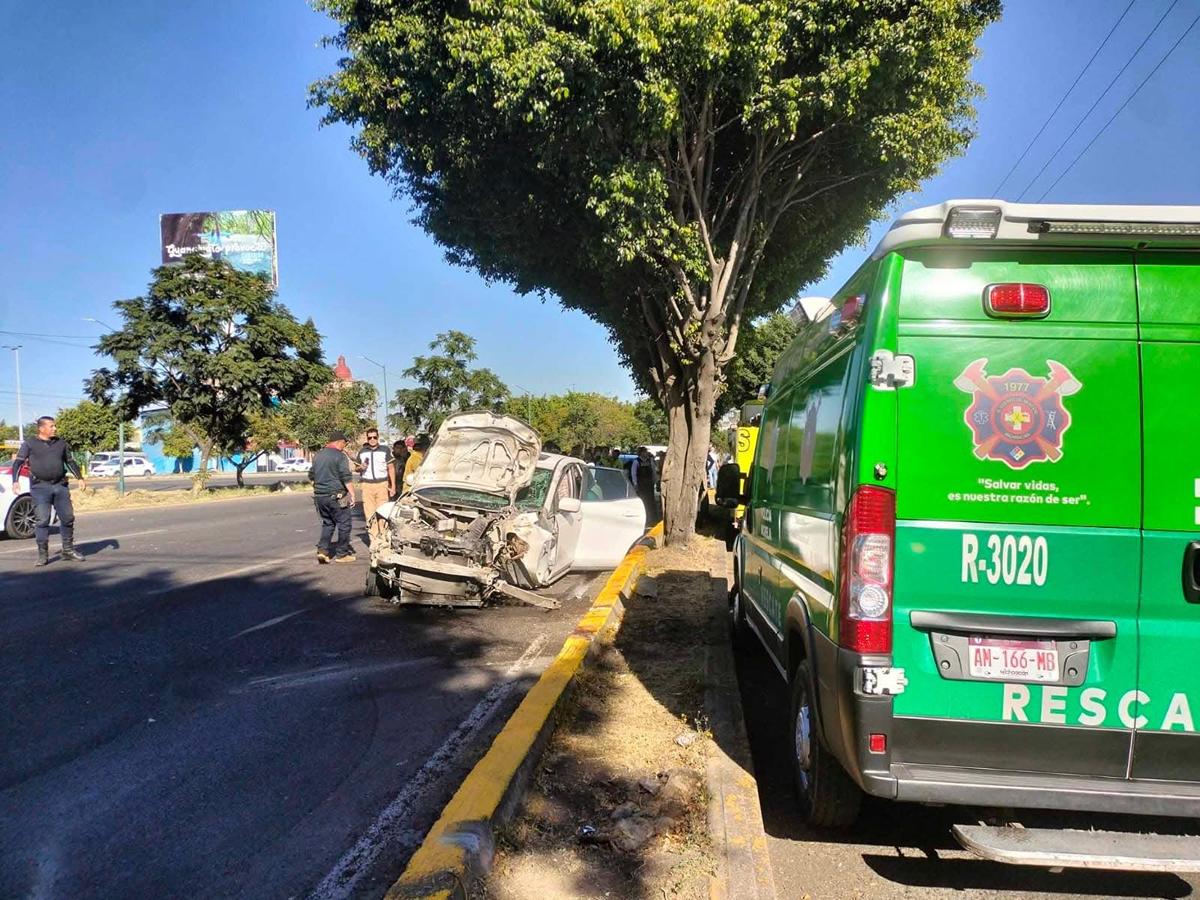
<point>491,517</point>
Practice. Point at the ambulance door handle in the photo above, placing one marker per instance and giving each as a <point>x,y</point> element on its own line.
<point>1191,572</point>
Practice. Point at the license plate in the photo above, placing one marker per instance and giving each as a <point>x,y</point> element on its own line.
<point>1003,659</point>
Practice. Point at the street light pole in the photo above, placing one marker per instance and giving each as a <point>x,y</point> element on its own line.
<point>16,349</point>
<point>387,425</point>
<point>528,402</point>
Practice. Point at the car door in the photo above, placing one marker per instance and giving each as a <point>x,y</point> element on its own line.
<point>1166,746</point>
<point>568,522</point>
<point>613,518</point>
<point>1018,511</point>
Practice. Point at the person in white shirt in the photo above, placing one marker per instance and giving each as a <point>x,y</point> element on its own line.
<point>374,475</point>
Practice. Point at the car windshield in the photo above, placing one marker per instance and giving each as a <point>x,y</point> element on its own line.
<point>532,496</point>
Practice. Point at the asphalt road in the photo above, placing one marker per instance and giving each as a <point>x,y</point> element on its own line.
<point>201,710</point>
<point>184,482</point>
<point>906,850</point>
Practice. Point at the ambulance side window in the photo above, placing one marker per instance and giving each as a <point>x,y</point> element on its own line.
<point>815,417</point>
<point>770,465</point>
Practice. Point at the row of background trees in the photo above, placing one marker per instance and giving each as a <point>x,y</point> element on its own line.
<point>444,381</point>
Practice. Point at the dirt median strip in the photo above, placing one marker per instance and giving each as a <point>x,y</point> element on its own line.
<point>459,846</point>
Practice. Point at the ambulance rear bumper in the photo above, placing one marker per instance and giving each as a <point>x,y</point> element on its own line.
<point>1031,790</point>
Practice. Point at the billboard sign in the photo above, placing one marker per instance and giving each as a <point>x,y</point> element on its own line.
<point>244,238</point>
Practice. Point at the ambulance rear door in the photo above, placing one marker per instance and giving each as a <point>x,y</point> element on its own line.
<point>1018,500</point>
<point>1166,746</point>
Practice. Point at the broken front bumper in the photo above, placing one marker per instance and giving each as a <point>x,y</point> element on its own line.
<point>421,581</point>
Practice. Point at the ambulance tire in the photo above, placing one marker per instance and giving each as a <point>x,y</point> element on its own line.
<point>741,635</point>
<point>826,795</point>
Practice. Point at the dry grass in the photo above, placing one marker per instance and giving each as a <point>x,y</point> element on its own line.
<point>632,701</point>
<point>103,499</point>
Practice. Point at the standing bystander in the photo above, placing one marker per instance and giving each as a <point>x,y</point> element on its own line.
<point>373,472</point>
<point>420,446</point>
<point>334,498</point>
<point>49,458</point>
<point>396,469</point>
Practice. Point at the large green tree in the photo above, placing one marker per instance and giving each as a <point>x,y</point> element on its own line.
<point>319,410</point>
<point>213,345</point>
<point>585,420</point>
<point>445,383</point>
<point>759,348</point>
<point>89,427</point>
<point>673,168</point>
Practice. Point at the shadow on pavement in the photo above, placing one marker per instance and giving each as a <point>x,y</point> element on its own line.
<point>229,738</point>
<point>907,844</point>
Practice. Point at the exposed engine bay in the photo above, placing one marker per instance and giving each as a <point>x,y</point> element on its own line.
<point>475,526</point>
<point>441,554</point>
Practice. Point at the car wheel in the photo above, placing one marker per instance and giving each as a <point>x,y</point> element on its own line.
<point>146,473</point>
<point>378,586</point>
<point>21,518</point>
<point>826,795</point>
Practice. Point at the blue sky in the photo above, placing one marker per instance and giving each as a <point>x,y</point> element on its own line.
<point>116,112</point>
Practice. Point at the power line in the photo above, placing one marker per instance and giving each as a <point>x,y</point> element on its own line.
<point>1113,117</point>
<point>1061,101</point>
<point>1103,94</point>
<point>40,334</point>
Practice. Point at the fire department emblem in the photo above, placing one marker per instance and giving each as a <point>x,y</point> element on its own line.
<point>1017,418</point>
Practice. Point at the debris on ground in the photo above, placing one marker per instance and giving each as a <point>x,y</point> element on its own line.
<point>618,805</point>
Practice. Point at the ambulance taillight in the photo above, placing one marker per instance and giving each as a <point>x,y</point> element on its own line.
<point>1018,301</point>
<point>868,560</point>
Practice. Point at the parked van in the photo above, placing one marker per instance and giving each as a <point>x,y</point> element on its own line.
<point>972,537</point>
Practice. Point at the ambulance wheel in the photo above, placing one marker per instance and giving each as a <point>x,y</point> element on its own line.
<point>739,627</point>
<point>826,795</point>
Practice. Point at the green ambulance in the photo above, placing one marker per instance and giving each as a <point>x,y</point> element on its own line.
<point>972,538</point>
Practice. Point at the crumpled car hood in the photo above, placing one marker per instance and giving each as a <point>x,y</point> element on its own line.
<point>480,451</point>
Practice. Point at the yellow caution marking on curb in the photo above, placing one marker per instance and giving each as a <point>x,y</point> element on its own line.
<point>439,860</point>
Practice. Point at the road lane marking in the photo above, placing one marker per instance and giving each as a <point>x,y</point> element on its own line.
<point>232,573</point>
<point>270,622</point>
<point>98,540</point>
<point>390,826</point>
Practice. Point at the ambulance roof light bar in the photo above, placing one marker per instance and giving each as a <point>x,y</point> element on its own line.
<point>969,221</point>
<point>1154,229</point>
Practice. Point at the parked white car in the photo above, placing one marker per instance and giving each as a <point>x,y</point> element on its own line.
<point>110,467</point>
<point>17,514</point>
<point>489,515</point>
<point>294,465</point>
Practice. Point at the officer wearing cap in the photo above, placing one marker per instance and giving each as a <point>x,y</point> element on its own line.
<point>334,499</point>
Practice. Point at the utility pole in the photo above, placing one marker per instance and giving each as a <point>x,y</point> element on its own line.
<point>120,430</point>
<point>528,402</point>
<point>16,349</point>
<point>387,425</point>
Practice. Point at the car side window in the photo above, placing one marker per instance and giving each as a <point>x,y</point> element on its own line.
<point>570,483</point>
<point>601,483</point>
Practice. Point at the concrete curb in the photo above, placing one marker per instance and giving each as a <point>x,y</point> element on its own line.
<point>459,847</point>
<point>735,822</point>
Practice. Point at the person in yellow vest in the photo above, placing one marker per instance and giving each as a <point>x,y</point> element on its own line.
<point>420,446</point>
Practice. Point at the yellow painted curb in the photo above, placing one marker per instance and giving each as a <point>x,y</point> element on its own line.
<point>458,845</point>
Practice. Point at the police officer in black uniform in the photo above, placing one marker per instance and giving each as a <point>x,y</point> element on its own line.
<point>49,458</point>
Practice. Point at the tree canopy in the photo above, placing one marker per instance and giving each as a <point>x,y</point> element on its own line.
<point>672,168</point>
<point>589,420</point>
<point>445,383</point>
<point>320,409</point>
<point>214,346</point>
<point>89,427</point>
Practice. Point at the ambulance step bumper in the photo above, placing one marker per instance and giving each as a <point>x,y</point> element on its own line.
<point>1064,848</point>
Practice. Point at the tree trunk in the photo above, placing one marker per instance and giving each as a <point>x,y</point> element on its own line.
<point>244,465</point>
<point>689,407</point>
<point>200,476</point>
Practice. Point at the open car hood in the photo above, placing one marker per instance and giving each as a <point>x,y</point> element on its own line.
<point>480,451</point>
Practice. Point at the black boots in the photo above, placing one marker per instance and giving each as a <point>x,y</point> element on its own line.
<point>43,555</point>
<point>69,552</point>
